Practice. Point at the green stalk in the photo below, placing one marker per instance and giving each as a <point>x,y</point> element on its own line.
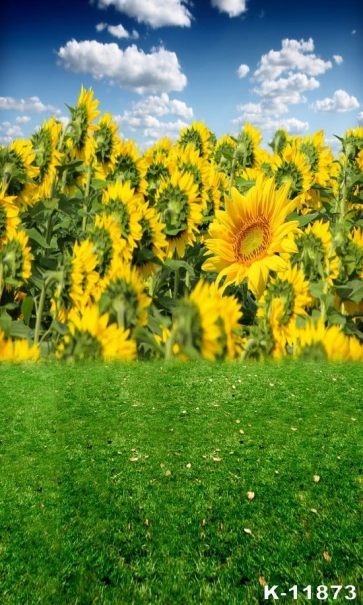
<point>39,314</point>
<point>176,283</point>
<point>85,203</point>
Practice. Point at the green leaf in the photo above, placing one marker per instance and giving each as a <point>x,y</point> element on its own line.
<point>37,237</point>
<point>98,184</point>
<point>19,330</point>
<point>59,327</point>
<point>316,289</point>
<point>352,290</point>
<point>307,218</point>
<point>143,335</point>
<point>174,265</point>
<point>69,166</point>
<point>27,308</point>
<point>335,317</point>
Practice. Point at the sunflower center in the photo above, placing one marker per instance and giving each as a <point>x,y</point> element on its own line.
<point>252,240</point>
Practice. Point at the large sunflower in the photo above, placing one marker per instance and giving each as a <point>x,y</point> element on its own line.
<point>9,217</point>
<point>177,202</point>
<point>108,246</point>
<point>81,143</point>
<point>247,237</point>
<point>90,336</point>
<point>47,158</point>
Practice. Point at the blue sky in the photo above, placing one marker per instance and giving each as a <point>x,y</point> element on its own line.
<point>157,65</point>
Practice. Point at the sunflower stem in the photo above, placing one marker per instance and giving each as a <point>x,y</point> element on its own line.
<point>176,283</point>
<point>1,279</point>
<point>39,314</point>
<point>86,196</point>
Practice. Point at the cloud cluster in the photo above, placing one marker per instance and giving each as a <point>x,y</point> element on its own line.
<point>117,30</point>
<point>340,103</point>
<point>144,117</point>
<point>234,8</point>
<point>282,77</point>
<point>294,55</point>
<point>158,71</point>
<point>156,13</point>
<point>32,105</point>
<point>9,132</point>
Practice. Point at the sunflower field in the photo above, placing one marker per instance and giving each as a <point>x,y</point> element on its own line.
<point>200,248</point>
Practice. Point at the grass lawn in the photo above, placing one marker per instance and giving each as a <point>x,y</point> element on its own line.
<point>127,483</point>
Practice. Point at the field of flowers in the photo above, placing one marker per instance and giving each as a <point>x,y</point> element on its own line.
<point>202,248</point>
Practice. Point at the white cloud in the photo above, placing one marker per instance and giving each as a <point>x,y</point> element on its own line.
<point>144,116</point>
<point>287,90</point>
<point>338,59</point>
<point>9,132</point>
<point>117,30</point>
<point>156,13</point>
<point>266,122</point>
<point>22,119</point>
<point>360,118</point>
<point>32,105</point>
<point>131,68</point>
<point>63,119</point>
<point>243,70</point>
<point>340,103</point>
<point>292,56</point>
<point>234,8</point>
<point>354,31</point>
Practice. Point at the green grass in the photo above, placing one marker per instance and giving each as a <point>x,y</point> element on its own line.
<point>82,524</point>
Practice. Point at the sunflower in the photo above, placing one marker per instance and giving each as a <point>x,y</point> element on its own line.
<point>248,152</point>
<point>315,255</point>
<point>292,166</point>
<point>229,316</point>
<point>318,156</point>
<point>119,200</point>
<point>91,337</point>
<point>190,162</point>
<point>316,341</point>
<point>355,349</point>
<point>15,258</point>
<point>81,143</point>
<point>177,202</point>
<point>47,157</point>
<point>18,350</point>
<point>124,297</point>
<point>108,246</point>
<point>359,160</point>
<point>247,237</point>
<point>284,299</point>
<point>279,141</point>
<point>84,277</point>
<point>62,302</point>
<point>195,326</point>
<point>18,172</point>
<point>129,166</point>
<point>224,150</point>
<point>198,134</point>
<point>9,217</point>
<point>159,167</point>
<point>107,144</point>
<point>161,149</point>
<point>153,242</point>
